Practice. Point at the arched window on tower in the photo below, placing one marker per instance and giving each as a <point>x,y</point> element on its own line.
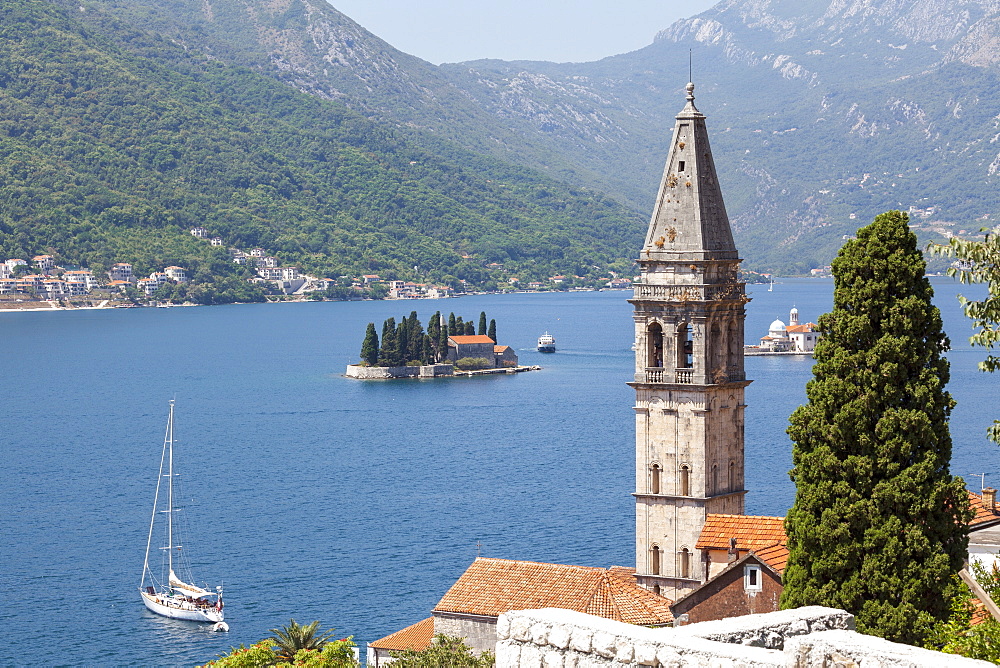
<point>655,560</point>
<point>685,480</point>
<point>684,347</point>
<point>732,476</point>
<point>715,478</point>
<point>685,569</point>
<point>654,479</point>
<point>654,343</point>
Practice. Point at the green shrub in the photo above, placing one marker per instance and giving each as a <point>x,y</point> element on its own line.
<point>473,363</point>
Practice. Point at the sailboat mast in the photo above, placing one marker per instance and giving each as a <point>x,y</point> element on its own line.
<point>156,504</point>
<point>170,494</point>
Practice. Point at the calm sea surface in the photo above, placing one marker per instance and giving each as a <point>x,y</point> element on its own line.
<point>355,503</point>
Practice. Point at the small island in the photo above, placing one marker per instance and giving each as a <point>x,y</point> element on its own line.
<point>446,347</point>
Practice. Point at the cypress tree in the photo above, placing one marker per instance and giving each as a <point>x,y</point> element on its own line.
<point>470,329</point>
<point>459,327</point>
<point>427,351</point>
<point>369,347</point>
<point>415,338</point>
<point>402,343</point>
<point>482,324</point>
<point>451,322</point>
<point>879,524</point>
<point>492,331</point>
<point>389,350</point>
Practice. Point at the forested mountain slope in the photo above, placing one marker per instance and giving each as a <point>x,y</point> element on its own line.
<point>822,112</point>
<point>115,139</point>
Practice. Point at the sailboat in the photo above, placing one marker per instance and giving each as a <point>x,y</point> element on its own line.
<point>167,594</point>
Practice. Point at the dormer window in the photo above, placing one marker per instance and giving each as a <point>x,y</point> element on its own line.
<point>752,578</point>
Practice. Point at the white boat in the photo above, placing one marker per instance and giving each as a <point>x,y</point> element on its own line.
<point>546,343</point>
<point>167,594</point>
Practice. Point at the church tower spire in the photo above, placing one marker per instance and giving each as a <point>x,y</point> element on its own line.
<point>689,379</point>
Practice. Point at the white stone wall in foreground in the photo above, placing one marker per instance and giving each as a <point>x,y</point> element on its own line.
<point>811,637</point>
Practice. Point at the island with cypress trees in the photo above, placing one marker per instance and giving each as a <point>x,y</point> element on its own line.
<point>445,347</point>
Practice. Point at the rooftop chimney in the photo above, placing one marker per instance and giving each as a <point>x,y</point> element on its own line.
<point>990,499</point>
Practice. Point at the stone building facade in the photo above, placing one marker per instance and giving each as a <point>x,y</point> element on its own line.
<point>689,378</point>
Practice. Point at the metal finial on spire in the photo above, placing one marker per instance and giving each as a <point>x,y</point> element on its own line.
<point>690,90</point>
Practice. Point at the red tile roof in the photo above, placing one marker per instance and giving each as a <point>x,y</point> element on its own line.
<point>752,532</point>
<point>417,637</point>
<point>500,349</point>
<point>775,556</point>
<point>984,515</point>
<point>474,338</point>
<point>490,587</point>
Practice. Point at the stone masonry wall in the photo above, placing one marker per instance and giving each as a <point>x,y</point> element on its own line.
<point>387,372</point>
<point>811,637</point>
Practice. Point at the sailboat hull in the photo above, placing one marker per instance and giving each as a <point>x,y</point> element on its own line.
<point>177,608</point>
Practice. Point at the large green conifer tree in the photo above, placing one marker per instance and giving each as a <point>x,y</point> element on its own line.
<point>369,347</point>
<point>879,524</point>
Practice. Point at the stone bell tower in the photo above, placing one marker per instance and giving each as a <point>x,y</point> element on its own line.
<point>689,378</point>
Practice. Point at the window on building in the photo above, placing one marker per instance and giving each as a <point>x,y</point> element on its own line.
<point>685,563</point>
<point>685,480</point>
<point>654,479</point>
<point>752,580</point>
<point>715,478</point>
<point>680,166</point>
<point>685,349</point>
<point>654,343</point>
<point>655,566</point>
<point>732,476</point>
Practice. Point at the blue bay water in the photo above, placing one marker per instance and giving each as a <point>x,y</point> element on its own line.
<point>356,503</point>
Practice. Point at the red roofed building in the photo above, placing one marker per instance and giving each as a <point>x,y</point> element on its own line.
<point>415,637</point>
<point>475,346</point>
<point>504,356</point>
<point>490,587</point>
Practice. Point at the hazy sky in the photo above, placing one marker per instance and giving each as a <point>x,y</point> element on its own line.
<point>448,31</point>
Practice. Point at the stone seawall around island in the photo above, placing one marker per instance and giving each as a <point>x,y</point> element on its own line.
<point>428,371</point>
<point>389,372</point>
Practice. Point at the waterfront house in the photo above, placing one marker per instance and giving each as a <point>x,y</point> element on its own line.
<point>121,271</point>
<point>15,262</point>
<point>477,346</point>
<point>80,282</point>
<point>147,285</point>
<point>176,274</point>
<point>45,263</point>
<point>8,286</point>
<point>54,288</point>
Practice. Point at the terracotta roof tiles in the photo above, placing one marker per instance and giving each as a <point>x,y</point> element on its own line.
<point>474,338</point>
<point>416,636</point>
<point>751,532</point>
<point>490,587</point>
<point>984,515</point>
<point>775,556</point>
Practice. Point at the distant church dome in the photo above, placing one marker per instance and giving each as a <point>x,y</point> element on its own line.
<point>777,328</point>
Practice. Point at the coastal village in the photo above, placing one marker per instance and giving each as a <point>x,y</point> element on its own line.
<point>42,279</point>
